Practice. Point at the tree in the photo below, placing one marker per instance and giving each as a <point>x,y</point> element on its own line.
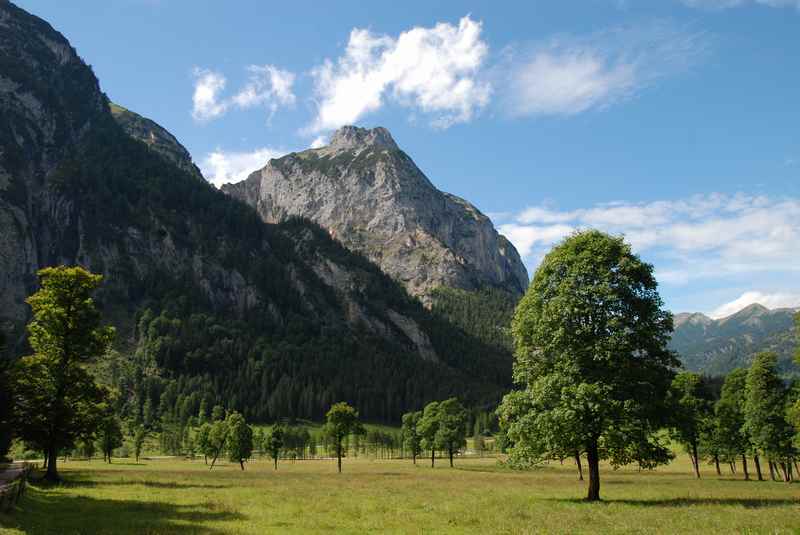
<point>204,441</point>
<point>428,426</point>
<point>690,405</point>
<point>274,442</point>
<point>451,434</point>
<point>55,397</point>
<point>591,359</point>
<point>217,438</point>
<point>412,441</point>
<point>217,413</point>
<point>109,434</point>
<point>240,439</point>
<point>729,418</point>
<point>340,422</point>
<point>765,413</point>
<point>138,441</point>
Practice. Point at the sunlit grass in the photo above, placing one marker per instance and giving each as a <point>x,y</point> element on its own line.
<point>478,496</point>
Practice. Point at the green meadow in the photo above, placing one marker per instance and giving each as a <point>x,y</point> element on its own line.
<point>393,496</point>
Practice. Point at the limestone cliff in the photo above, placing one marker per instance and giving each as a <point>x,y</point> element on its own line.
<point>371,196</point>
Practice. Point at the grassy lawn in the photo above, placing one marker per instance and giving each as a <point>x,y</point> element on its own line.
<point>478,496</point>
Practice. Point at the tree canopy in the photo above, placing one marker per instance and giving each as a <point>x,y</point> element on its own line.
<point>341,421</point>
<point>56,399</point>
<point>591,359</point>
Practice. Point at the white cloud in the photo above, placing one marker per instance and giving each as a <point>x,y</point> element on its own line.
<point>319,141</point>
<point>205,100</point>
<point>725,4</point>
<point>221,167</point>
<point>433,69</point>
<point>769,300</point>
<point>711,236</point>
<point>267,86</point>
<point>570,75</point>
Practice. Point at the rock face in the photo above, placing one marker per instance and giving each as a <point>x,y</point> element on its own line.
<point>370,195</point>
<point>156,137</point>
<point>718,346</point>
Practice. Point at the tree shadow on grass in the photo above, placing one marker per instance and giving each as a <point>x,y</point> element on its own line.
<point>751,503</point>
<point>78,482</point>
<point>40,511</point>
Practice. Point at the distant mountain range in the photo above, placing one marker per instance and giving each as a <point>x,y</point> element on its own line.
<point>717,346</point>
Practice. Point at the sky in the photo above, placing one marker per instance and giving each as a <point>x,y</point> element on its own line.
<point>672,122</point>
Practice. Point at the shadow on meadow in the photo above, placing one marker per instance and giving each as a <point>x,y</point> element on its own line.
<point>44,510</point>
<point>749,503</point>
<point>77,481</point>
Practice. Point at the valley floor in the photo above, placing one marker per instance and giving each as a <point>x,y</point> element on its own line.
<point>382,496</point>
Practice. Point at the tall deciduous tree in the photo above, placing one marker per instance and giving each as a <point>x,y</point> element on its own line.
<point>765,412</point>
<point>451,434</point>
<point>412,441</point>
<point>204,441</point>
<point>729,418</point>
<point>691,410</point>
<point>109,434</point>
<point>55,396</point>
<point>340,422</point>
<point>591,359</point>
<point>274,442</point>
<point>428,426</point>
<point>139,436</point>
<point>240,439</point>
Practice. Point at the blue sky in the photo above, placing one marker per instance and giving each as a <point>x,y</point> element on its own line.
<point>674,122</point>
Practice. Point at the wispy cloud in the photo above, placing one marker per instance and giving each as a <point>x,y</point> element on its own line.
<point>572,74</point>
<point>221,167</point>
<point>769,300</point>
<point>712,236</point>
<point>267,86</point>
<point>435,70</point>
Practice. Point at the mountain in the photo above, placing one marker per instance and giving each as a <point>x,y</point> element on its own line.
<point>370,195</point>
<point>717,346</point>
<point>211,303</point>
<point>154,136</point>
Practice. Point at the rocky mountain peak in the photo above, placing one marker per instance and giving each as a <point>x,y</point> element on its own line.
<point>351,137</point>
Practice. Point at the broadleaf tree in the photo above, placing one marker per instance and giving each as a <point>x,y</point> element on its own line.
<point>274,442</point>
<point>451,434</point>
<point>412,441</point>
<point>591,359</point>
<point>341,421</point>
<point>56,399</point>
<point>690,404</point>
<point>240,439</point>
<point>427,427</point>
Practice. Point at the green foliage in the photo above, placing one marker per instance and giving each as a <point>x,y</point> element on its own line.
<point>139,436</point>
<point>591,359</point>
<point>55,397</point>
<point>485,313</point>
<point>240,439</point>
<point>450,431</point>
<point>730,436</point>
<point>412,440</point>
<point>274,442</point>
<point>690,406</point>
<point>765,410</point>
<point>203,441</point>
<point>341,421</point>
<point>109,434</point>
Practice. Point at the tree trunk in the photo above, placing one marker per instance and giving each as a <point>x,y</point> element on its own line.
<point>205,458</point>
<point>593,460</point>
<point>241,463</point>
<point>695,460</point>
<point>339,456</point>
<point>771,470</point>
<point>758,467</point>
<point>52,466</point>
<point>733,466</point>
<point>580,467</point>
<point>433,456</point>
<point>414,458</point>
<point>744,468</point>
<point>716,464</point>
<point>786,475</point>
<point>450,451</point>
<point>276,462</point>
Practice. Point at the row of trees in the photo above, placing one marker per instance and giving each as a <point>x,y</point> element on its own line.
<point>752,417</point>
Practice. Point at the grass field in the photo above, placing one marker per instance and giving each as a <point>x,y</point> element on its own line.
<point>478,496</point>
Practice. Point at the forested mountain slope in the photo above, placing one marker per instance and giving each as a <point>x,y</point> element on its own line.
<point>719,346</point>
<point>210,302</point>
